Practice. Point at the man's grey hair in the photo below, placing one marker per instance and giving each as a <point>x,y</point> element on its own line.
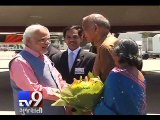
<point>98,19</point>
<point>30,30</point>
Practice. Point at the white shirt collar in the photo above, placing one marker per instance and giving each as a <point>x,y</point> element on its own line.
<point>74,51</point>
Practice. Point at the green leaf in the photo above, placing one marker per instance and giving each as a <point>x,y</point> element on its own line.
<point>67,92</point>
<point>90,75</point>
<point>80,77</point>
<point>59,102</point>
<point>57,94</point>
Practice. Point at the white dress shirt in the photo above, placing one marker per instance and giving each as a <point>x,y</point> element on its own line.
<point>75,54</point>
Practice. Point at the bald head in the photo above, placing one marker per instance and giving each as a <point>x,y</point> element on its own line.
<point>98,19</point>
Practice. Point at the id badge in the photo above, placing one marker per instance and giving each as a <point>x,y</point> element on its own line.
<point>79,70</point>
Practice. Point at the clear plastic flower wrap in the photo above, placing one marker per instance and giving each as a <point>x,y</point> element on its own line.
<point>82,94</point>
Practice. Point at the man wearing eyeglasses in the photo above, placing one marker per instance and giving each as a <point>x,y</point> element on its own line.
<point>31,70</point>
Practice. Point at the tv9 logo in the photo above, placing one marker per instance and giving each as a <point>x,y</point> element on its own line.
<point>30,98</point>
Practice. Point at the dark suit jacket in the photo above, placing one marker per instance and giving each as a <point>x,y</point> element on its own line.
<point>52,51</point>
<point>84,60</point>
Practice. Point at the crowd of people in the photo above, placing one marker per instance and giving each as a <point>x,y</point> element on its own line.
<point>44,68</point>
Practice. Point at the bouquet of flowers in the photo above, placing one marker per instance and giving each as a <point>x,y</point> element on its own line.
<point>82,94</point>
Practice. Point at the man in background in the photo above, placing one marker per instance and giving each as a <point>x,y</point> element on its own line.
<point>74,62</point>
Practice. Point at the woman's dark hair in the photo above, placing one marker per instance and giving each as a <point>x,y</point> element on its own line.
<point>76,27</point>
<point>127,49</point>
